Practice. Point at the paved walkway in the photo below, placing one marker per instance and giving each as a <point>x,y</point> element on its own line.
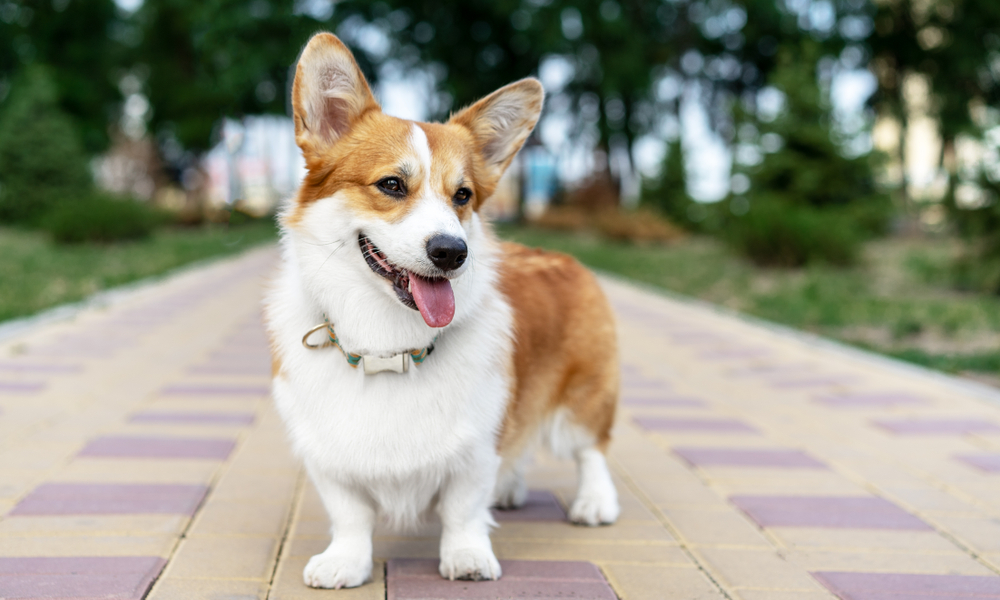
<point>139,456</point>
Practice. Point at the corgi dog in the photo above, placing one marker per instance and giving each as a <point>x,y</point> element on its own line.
<point>416,358</point>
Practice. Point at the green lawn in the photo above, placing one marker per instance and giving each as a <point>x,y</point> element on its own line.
<point>36,274</point>
<point>897,302</point>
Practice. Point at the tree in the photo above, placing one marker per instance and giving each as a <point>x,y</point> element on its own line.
<point>807,201</point>
<point>83,44</point>
<point>41,160</point>
<point>211,59</point>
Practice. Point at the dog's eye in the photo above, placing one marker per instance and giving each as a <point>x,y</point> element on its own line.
<point>462,196</point>
<point>392,186</point>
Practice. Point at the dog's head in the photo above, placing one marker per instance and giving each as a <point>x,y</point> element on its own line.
<point>392,204</point>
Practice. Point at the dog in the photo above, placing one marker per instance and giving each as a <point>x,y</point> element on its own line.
<point>417,359</point>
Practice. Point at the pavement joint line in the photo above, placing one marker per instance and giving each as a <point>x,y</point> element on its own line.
<point>284,542</point>
<point>686,548</point>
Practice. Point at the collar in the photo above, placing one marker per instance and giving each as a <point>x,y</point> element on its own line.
<point>399,363</point>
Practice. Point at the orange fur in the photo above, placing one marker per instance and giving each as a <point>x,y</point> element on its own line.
<point>565,352</point>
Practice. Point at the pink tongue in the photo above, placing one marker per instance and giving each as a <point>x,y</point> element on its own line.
<point>434,298</point>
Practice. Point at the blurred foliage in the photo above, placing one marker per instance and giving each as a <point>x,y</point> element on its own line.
<point>978,267</point>
<point>203,60</point>
<point>806,201</point>
<point>84,43</point>
<point>54,170</point>
<point>38,273</point>
<point>100,218</point>
<point>776,234</point>
<point>955,43</point>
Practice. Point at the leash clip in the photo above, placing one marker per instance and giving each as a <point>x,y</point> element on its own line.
<point>305,338</point>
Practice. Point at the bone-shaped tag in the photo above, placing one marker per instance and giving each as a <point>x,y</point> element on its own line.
<point>399,363</point>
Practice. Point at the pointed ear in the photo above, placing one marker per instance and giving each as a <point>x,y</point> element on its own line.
<point>501,122</point>
<point>329,93</point>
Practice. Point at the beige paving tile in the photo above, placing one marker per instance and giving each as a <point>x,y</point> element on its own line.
<point>115,470</point>
<point>224,557</point>
<point>240,518</point>
<point>751,568</point>
<point>955,562</point>
<point>714,527</point>
<point>926,498</point>
<point>649,552</point>
<point>659,582</point>
<point>622,530</point>
<point>86,545</point>
<point>747,594</point>
<point>125,525</point>
<point>981,534</point>
<point>248,485</point>
<point>173,588</point>
<point>862,539</point>
<point>288,584</point>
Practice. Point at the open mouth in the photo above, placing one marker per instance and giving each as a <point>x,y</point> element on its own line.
<point>432,296</point>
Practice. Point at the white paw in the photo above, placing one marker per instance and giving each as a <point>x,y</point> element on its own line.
<point>334,571</point>
<point>469,563</point>
<point>594,509</point>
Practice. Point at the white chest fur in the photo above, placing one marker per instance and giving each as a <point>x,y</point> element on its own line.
<point>395,435</point>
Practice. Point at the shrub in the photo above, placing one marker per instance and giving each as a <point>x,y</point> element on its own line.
<point>774,234</point>
<point>41,161</point>
<point>98,218</point>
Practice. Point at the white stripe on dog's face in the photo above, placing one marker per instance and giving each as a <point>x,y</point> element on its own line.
<point>405,242</point>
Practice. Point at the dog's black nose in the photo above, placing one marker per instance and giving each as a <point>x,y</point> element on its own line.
<point>447,252</point>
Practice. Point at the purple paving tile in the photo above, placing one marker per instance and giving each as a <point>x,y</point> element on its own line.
<point>772,370</point>
<point>264,370</point>
<point>418,579</point>
<point>636,383</point>
<point>195,389</point>
<point>908,586</point>
<point>122,446</point>
<point>733,353</point>
<point>747,457</point>
<point>818,381</point>
<point>665,401</point>
<point>694,425</point>
<point>871,399</point>
<point>834,512</point>
<point>194,418</point>
<point>36,367</point>
<point>937,426</point>
<point>110,499</point>
<point>21,387</point>
<point>113,577</point>
<point>984,462</point>
<point>541,505</point>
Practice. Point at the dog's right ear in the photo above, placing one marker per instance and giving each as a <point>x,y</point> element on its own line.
<point>329,94</point>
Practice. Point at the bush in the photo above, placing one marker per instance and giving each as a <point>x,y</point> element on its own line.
<point>98,218</point>
<point>774,234</point>
<point>41,161</point>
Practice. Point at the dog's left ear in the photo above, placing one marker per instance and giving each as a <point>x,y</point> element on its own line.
<point>500,123</point>
<point>329,94</point>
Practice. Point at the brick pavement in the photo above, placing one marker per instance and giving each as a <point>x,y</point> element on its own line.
<point>140,457</point>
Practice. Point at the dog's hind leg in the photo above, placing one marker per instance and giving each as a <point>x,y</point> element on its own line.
<point>511,489</point>
<point>347,562</point>
<point>596,501</point>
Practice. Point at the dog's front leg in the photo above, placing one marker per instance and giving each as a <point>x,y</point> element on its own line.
<point>347,562</point>
<point>463,504</point>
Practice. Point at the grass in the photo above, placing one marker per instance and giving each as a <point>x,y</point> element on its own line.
<point>37,274</point>
<point>897,302</point>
